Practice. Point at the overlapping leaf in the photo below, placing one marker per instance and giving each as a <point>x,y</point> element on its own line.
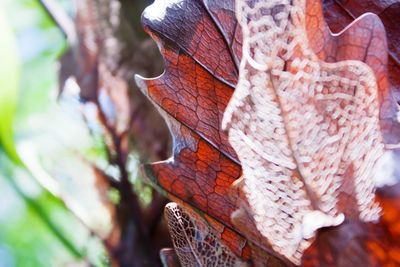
<point>306,131</point>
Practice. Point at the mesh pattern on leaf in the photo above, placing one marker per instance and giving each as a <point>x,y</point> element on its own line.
<point>306,131</point>
<point>195,242</point>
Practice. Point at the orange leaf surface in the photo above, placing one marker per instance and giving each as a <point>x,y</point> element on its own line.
<point>200,44</point>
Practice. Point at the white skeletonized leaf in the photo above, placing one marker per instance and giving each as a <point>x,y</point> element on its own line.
<point>306,131</point>
<point>195,242</point>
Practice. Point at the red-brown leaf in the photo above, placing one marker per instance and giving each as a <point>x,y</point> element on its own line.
<point>200,44</point>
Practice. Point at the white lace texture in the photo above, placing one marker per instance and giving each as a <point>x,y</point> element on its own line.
<point>304,130</point>
<point>197,243</point>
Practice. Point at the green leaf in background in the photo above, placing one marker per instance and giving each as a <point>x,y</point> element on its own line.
<point>9,77</point>
<point>36,229</point>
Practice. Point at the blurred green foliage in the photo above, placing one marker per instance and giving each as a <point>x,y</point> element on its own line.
<point>35,227</point>
<point>9,77</point>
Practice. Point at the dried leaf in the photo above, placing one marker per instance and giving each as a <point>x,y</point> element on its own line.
<point>201,44</point>
<point>192,95</point>
<point>196,243</point>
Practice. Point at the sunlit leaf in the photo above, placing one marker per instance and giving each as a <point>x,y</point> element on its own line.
<point>201,42</point>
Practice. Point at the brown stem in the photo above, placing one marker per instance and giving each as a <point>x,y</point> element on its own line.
<point>132,249</point>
